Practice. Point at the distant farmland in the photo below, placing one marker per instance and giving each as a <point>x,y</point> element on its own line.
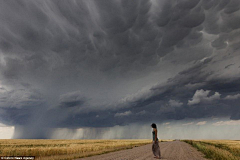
<point>218,149</point>
<point>64,149</point>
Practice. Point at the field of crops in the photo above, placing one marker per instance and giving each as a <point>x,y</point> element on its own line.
<point>218,149</point>
<point>64,149</point>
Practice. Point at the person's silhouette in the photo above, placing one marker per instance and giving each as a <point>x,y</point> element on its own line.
<point>155,144</point>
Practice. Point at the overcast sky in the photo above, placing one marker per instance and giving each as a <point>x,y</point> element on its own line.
<point>101,66</point>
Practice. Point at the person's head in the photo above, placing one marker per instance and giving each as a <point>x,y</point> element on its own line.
<point>154,125</point>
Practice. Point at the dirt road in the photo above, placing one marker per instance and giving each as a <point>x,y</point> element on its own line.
<point>175,150</point>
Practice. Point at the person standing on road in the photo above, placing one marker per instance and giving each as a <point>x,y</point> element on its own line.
<point>155,144</point>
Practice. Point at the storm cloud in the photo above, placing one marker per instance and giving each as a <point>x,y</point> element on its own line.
<point>103,63</point>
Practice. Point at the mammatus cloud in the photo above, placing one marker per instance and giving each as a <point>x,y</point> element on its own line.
<point>93,63</point>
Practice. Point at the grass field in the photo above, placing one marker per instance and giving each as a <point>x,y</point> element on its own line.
<point>64,149</point>
<point>218,149</point>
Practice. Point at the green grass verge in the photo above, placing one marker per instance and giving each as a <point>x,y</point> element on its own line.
<point>213,151</point>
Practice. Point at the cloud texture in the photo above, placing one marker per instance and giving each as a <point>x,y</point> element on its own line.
<point>101,63</point>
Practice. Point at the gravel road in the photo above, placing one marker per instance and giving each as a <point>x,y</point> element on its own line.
<point>175,150</point>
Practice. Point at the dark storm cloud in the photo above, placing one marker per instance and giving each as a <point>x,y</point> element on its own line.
<point>72,99</point>
<point>20,98</point>
<point>201,95</point>
<point>103,35</point>
<point>67,63</point>
<point>191,94</point>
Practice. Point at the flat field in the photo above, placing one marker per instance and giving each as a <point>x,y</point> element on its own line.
<point>65,149</point>
<point>218,149</point>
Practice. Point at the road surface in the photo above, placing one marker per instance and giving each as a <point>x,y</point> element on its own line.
<point>175,150</point>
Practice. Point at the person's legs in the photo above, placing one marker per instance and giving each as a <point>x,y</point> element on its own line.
<point>153,149</point>
<point>157,150</point>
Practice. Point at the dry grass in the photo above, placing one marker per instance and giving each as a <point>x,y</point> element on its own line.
<point>218,149</point>
<point>166,140</point>
<point>64,149</point>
